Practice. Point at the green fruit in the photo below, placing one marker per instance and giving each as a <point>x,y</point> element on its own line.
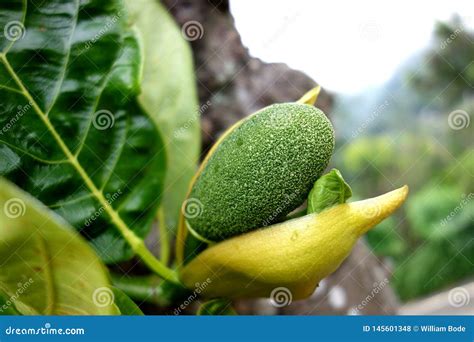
<point>261,170</point>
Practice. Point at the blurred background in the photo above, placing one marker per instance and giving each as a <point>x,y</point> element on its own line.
<point>399,88</point>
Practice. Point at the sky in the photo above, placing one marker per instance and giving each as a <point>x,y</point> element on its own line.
<point>346,46</point>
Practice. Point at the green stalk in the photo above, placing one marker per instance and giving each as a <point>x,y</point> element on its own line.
<point>164,237</point>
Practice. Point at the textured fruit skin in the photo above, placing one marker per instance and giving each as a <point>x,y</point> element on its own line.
<point>262,170</point>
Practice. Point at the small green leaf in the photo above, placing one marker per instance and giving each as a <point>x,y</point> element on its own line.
<point>216,307</point>
<point>125,305</point>
<point>329,190</point>
<point>46,267</point>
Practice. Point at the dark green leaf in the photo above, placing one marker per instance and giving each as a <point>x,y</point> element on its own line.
<point>71,131</point>
<point>170,97</point>
<point>125,305</point>
<point>220,307</point>
<point>329,190</point>
<point>47,268</point>
<point>7,306</point>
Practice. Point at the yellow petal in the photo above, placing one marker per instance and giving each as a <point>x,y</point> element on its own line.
<point>295,254</point>
<point>310,97</point>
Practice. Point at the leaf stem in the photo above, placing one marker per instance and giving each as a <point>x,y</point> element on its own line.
<point>164,237</point>
<point>136,243</point>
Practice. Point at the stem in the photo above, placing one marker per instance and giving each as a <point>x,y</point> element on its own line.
<point>150,289</point>
<point>164,237</point>
<point>154,264</point>
<point>136,243</point>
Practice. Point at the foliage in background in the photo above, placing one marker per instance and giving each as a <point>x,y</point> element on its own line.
<point>408,135</point>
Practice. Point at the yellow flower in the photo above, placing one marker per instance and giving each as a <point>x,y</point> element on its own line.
<point>296,254</point>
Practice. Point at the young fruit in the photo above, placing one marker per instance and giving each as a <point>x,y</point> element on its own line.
<point>262,169</point>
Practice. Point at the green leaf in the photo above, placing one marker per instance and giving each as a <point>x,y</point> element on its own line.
<point>329,190</point>
<point>125,305</point>
<point>169,95</point>
<point>47,268</point>
<point>438,212</point>
<point>221,307</point>
<point>385,240</point>
<point>7,307</point>
<point>433,266</point>
<point>71,130</point>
